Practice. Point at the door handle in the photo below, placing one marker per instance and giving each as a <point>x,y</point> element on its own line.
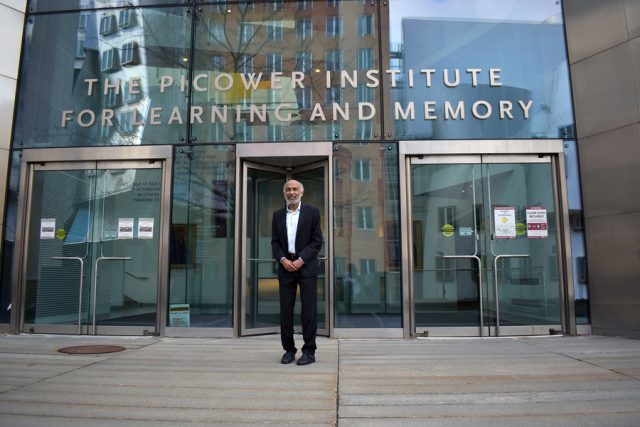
<point>479,261</point>
<point>495,277</point>
<point>75,258</point>
<point>95,284</point>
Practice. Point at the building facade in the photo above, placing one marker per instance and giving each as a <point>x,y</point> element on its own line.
<point>151,141</point>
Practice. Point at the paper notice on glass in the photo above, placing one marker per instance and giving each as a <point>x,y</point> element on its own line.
<point>537,223</point>
<point>505,222</point>
<point>48,228</point>
<point>125,228</point>
<point>145,228</point>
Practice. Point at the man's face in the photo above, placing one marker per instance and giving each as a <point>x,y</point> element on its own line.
<point>293,192</point>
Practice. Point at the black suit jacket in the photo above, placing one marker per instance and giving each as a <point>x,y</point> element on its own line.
<point>308,239</point>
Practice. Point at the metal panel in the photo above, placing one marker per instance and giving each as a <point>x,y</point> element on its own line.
<point>11,25</point>
<point>367,333</point>
<point>20,5</point>
<point>530,330</point>
<point>593,26</point>
<point>435,160</point>
<point>7,100</point>
<point>140,152</point>
<point>602,91</point>
<point>632,13</point>
<point>463,331</point>
<point>198,332</point>
<point>610,172</point>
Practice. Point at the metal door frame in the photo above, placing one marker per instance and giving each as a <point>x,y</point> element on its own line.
<point>465,151</point>
<point>82,158</point>
<point>277,157</point>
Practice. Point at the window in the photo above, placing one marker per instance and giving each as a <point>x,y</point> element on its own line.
<point>305,4</point>
<point>365,94</point>
<point>80,49</point>
<point>304,132</point>
<point>216,31</point>
<point>125,121</point>
<point>334,26</point>
<point>82,23</point>
<point>246,32</point>
<point>107,25</point>
<point>275,5</point>
<point>244,132</point>
<point>303,96</point>
<point>333,94</point>
<point>221,7</point>
<point>130,54</point>
<point>338,216</point>
<point>132,96</point>
<point>217,63</point>
<point>274,63</point>
<point>333,60</point>
<point>363,130</point>
<point>304,28</point>
<point>333,131</point>
<point>361,170</point>
<point>126,18</point>
<point>333,3</point>
<point>367,266</point>
<point>246,6</point>
<point>246,64</point>
<point>109,60</point>
<point>364,60</point>
<point>111,98</point>
<point>364,25</point>
<point>304,62</point>
<point>364,218</point>
<point>274,30</point>
<point>274,133</point>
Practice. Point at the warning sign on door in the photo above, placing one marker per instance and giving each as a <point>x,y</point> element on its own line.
<point>505,222</point>
<point>537,223</point>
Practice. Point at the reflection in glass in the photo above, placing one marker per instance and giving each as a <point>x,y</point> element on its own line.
<point>366,237</point>
<point>125,86</point>
<point>444,54</point>
<point>201,241</point>
<point>253,82</point>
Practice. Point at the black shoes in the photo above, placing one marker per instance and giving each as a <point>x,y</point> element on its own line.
<point>287,358</point>
<point>306,359</point>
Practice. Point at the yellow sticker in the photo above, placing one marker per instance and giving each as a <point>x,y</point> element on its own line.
<point>448,230</point>
<point>521,229</point>
<point>61,234</point>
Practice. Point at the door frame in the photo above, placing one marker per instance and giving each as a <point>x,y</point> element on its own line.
<point>551,147</point>
<point>76,156</point>
<point>284,154</point>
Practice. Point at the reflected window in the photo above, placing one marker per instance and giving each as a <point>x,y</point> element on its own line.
<point>304,28</point>
<point>221,7</point>
<point>304,61</point>
<point>305,4</point>
<point>274,31</point>
<point>364,218</point>
<point>107,25</point>
<point>80,49</point>
<point>217,63</point>
<point>109,60</point>
<point>82,21</point>
<point>130,54</point>
<point>364,129</point>
<point>216,31</point>
<point>246,6</point>
<point>334,130</point>
<point>333,60</point>
<point>334,26</point>
<point>126,18</point>
<point>275,5</point>
<point>246,64</point>
<point>367,266</point>
<point>361,170</point>
<point>274,65</point>
<point>365,25</point>
<point>364,59</point>
<point>334,3</point>
<point>333,94</point>
<point>245,32</point>
<point>303,95</point>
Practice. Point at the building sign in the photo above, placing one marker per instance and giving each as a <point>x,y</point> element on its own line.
<point>232,90</point>
<point>537,223</point>
<point>505,222</point>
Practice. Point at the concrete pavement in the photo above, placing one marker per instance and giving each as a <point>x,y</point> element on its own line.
<point>541,381</point>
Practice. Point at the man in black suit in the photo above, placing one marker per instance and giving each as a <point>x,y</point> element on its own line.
<point>296,239</point>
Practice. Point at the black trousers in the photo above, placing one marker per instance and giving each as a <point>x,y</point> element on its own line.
<point>308,315</point>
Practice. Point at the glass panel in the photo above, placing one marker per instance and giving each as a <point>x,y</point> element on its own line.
<point>261,296</point>
<point>444,203</point>
<point>315,195</point>
<point>366,238</point>
<point>127,224</point>
<point>520,199</point>
<point>477,69</point>
<point>126,88</point>
<point>9,235</point>
<point>202,236</point>
<point>260,72</point>
<point>60,5</point>
<point>52,294</point>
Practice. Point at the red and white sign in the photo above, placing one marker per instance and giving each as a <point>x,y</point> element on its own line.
<point>537,223</point>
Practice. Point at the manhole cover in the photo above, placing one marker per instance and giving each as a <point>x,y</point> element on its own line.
<point>91,349</point>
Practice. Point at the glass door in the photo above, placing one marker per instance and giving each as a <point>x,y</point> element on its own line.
<point>92,251</point>
<point>485,246</point>
<point>262,195</point>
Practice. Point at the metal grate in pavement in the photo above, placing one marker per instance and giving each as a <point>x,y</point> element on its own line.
<point>91,349</point>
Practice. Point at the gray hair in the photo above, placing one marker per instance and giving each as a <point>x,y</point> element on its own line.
<point>293,180</point>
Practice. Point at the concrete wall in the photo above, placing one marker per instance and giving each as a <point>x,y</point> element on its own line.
<point>604,53</point>
<point>11,25</point>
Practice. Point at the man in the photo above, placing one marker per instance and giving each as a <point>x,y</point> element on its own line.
<point>296,239</point>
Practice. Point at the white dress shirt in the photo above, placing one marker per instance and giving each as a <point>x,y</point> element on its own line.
<point>292,227</point>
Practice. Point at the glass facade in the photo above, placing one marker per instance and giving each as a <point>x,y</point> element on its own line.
<point>367,76</point>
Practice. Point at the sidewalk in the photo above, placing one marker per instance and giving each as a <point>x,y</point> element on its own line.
<point>563,381</point>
